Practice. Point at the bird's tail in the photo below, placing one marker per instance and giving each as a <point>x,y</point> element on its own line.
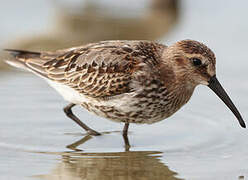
<point>27,60</point>
<point>20,57</point>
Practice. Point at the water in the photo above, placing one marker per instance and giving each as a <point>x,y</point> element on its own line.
<point>201,141</point>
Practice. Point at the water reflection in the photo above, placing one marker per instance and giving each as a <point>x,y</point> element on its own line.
<point>74,145</point>
<point>109,165</point>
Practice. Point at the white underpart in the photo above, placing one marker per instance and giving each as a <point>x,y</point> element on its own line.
<point>68,93</point>
<point>75,97</point>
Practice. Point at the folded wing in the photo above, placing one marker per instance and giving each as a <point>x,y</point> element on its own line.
<point>97,70</point>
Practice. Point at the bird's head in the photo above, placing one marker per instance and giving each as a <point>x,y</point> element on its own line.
<point>194,63</point>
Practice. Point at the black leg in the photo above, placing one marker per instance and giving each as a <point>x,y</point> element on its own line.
<point>125,129</point>
<point>69,113</point>
<point>125,137</point>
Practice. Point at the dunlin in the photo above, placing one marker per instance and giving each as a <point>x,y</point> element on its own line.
<point>127,81</point>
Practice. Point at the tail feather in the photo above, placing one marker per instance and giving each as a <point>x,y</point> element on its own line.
<point>23,54</point>
<point>27,60</point>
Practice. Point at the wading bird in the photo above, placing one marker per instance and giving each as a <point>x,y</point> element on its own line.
<point>126,81</point>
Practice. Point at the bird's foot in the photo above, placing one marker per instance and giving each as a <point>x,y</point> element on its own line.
<point>93,132</point>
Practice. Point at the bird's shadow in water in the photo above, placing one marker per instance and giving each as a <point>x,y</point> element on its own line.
<point>77,164</point>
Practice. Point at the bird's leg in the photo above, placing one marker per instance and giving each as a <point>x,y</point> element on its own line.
<point>69,113</point>
<point>125,137</point>
<point>125,129</point>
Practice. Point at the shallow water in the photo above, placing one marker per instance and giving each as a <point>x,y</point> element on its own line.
<point>38,140</point>
<point>202,141</point>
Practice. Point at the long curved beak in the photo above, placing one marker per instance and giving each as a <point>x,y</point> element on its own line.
<point>215,85</point>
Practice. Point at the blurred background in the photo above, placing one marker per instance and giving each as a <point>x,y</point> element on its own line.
<point>54,24</point>
<point>201,141</point>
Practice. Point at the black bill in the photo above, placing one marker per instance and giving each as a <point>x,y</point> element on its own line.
<point>219,91</point>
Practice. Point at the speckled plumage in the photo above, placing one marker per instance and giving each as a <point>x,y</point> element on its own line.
<point>125,81</point>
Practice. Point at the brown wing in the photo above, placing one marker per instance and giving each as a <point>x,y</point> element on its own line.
<point>98,70</point>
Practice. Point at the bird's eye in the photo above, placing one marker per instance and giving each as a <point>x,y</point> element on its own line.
<point>196,61</point>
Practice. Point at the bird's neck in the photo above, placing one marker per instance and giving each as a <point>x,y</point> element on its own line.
<point>181,91</point>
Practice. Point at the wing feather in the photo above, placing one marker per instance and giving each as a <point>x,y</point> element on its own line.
<point>99,69</point>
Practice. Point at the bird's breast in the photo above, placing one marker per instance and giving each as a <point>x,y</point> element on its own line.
<point>148,105</point>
